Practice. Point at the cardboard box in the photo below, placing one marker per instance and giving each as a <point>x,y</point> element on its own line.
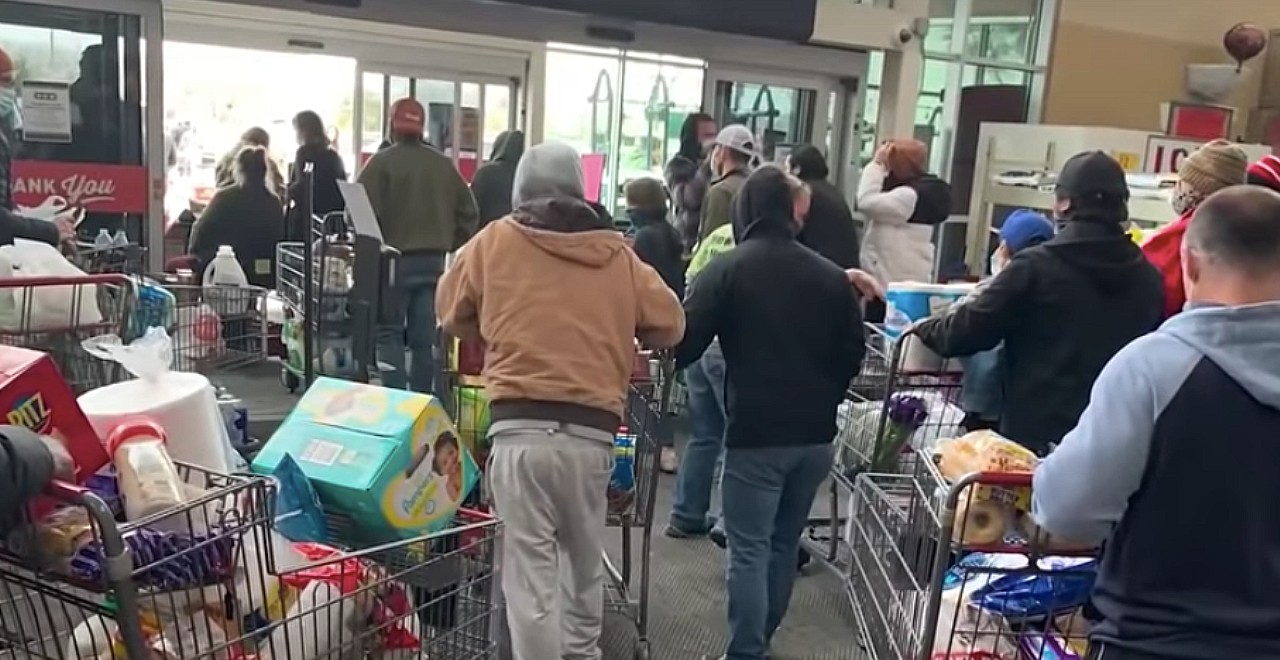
<point>33,394</point>
<point>390,459</point>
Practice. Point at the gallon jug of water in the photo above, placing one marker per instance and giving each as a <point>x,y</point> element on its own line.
<point>226,285</point>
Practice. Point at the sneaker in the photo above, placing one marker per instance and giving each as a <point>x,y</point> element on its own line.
<point>667,460</point>
<point>717,537</point>
<point>803,560</point>
<point>673,532</point>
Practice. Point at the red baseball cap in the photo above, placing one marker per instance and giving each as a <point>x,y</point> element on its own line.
<point>407,116</point>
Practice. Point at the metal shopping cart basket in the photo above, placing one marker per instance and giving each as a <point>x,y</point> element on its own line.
<point>648,401</point>
<point>126,259</point>
<point>225,585</point>
<point>926,582</point>
<point>55,314</point>
<point>214,328</point>
<point>897,375</point>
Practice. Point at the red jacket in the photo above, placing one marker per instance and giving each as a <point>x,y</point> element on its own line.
<point>1164,251</point>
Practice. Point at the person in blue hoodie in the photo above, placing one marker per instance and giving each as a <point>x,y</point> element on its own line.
<point>982,398</point>
<point>1172,464</point>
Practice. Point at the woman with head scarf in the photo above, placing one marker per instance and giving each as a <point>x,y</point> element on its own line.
<point>688,174</point>
<point>902,204</point>
<point>829,229</point>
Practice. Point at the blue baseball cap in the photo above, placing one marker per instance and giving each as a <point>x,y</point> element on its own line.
<point>1025,228</point>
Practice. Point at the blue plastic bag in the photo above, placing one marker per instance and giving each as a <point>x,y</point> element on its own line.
<point>299,516</point>
<point>1060,583</point>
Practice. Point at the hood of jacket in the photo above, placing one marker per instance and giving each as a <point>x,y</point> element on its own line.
<point>569,229</point>
<point>933,200</point>
<point>1242,341</point>
<point>1101,250</point>
<point>763,207</point>
<point>508,147</point>
<point>548,170</point>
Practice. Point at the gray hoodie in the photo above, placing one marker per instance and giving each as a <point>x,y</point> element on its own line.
<point>1083,489</point>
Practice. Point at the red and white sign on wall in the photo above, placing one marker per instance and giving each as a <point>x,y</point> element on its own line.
<point>1165,154</point>
<point>95,187</point>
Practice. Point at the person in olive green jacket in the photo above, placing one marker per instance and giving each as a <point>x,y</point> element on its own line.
<point>731,159</point>
<point>425,210</point>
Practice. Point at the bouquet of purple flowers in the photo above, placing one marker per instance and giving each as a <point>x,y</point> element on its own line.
<point>906,414</point>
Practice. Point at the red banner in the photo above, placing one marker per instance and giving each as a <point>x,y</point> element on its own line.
<point>95,187</point>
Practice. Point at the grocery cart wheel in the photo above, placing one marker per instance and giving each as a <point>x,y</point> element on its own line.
<point>290,381</point>
<point>642,649</point>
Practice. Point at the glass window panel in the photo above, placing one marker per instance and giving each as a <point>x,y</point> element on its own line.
<point>1004,30</point>
<point>582,103</point>
<point>496,114</point>
<point>656,98</point>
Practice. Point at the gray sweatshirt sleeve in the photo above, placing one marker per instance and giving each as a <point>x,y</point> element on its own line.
<point>1081,491</point>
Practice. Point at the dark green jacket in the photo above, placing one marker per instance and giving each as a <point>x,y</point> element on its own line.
<point>421,201</point>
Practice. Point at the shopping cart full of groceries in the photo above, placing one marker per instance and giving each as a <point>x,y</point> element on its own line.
<point>216,577</point>
<point>947,562</point>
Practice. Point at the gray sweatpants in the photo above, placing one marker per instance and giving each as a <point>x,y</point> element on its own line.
<point>549,482</point>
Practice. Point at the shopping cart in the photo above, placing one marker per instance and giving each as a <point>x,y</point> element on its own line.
<point>646,419</point>
<point>216,328</point>
<point>257,596</point>
<point>898,378</point>
<point>127,259</point>
<point>923,589</point>
<point>55,314</point>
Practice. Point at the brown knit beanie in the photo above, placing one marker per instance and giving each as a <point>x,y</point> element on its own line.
<point>1214,166</point>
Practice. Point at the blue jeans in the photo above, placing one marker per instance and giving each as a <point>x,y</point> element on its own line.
<point>704,382</point>
<point>416,276</point>
<point>768,493</point>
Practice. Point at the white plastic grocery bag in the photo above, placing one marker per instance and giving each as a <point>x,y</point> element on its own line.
<point>49,307</point>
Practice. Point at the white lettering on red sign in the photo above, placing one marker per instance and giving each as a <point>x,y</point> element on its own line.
<point>78,189</point>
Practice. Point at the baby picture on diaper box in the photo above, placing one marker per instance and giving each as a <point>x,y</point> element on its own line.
<point>391,460</point>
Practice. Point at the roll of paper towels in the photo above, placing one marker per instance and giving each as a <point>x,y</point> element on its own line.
<point>980,522</point>
<point>185,404</point>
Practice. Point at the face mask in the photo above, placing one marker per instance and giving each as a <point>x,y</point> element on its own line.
<point>997,265</point>
<point>8,101</point>
<point>1183,201</point>
<point>707,146</point>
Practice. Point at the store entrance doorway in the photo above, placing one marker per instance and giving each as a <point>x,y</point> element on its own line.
<point>465,113</point>
<point>785,110</point>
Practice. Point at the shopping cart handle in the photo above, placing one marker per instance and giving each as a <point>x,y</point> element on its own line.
<point>1007,479</point>
<point>65,491</point>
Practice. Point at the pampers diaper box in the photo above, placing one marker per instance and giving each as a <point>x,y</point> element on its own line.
<point>390,459</point>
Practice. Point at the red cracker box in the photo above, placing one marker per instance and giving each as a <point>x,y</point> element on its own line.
<point>34,395</point>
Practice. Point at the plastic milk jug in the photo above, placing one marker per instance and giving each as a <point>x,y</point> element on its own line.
<point>225,271</point>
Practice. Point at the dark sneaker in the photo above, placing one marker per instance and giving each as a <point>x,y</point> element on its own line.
<point>674,532</point>
<point>803,560</point>
<point>717,537</point>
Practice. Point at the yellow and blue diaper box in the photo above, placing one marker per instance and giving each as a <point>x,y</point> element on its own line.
<point>390,459</point>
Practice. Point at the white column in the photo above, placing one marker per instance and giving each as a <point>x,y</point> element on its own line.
<point>899,90</point>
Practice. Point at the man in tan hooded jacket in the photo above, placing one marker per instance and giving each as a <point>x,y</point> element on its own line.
<point>558,298</point>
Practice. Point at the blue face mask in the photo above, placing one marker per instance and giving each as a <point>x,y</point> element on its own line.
<point>8,101</point>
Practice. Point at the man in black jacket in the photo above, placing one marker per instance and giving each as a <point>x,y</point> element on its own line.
<point>1062,308</point>
<point>791,331</point>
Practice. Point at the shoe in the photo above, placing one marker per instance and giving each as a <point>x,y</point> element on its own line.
<point>717,537</point>
<point>667,460</point>
<point>803,560</point>
<point>673,532</point>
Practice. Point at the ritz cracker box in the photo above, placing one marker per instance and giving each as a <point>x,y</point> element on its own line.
<point>390,459</point>
<point>34,395</point>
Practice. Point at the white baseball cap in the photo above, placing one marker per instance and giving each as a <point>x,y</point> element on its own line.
<point>738,138</point>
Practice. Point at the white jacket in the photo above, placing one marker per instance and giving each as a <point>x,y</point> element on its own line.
<point>892,249</point>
